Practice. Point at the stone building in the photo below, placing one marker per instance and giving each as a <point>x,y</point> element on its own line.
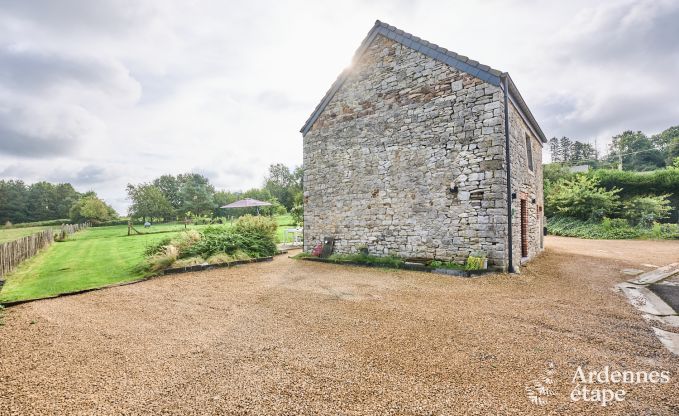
<point>416,151</point>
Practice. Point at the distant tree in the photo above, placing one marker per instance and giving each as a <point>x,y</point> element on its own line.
<point>148,201</point>
<point>41,202</point>
<point>13,201</point>
<point>284,184</point>
<point>555,150</point>
<point>91,208</point>
<point>169,186</point>
<point>65,197</point>
<point>637,150</point>
<point>668,143</point>
<point>565,149</point>
<point>196,194</point>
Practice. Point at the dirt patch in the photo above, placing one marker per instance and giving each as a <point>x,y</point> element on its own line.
<point>293,337</point>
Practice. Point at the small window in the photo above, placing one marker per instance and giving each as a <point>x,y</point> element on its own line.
<point>529,153</point>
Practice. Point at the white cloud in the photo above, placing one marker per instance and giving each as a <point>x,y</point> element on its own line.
<point>109,92</point>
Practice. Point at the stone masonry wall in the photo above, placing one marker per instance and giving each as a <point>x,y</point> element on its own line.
<point>380,161</point>
<point>526,184</point>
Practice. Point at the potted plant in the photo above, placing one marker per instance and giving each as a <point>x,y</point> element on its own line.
<point>476,261</point>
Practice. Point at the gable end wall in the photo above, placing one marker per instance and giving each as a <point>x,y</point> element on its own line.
<point>380,160</point>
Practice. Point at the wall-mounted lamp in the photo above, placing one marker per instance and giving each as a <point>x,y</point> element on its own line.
<point>513,195</point>
<point>453,188</point>
<point>532,200</point>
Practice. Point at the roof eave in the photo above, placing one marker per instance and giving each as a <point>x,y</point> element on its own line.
<point>524,111</point>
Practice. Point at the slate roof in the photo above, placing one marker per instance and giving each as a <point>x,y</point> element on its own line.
<point>460,62</point>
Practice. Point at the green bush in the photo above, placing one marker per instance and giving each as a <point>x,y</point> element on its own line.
<point>256,224</point>
<point>609,229</point>
<point>157,247</point>
<point>254,241</point>
<point>439,264</point>
<point>645,210</point>
<point>474,263</point>
<point>39,223</point>
<point>632,184</point>
<point>388,261</point>
<point>581,197</point>
<point>610,223</point>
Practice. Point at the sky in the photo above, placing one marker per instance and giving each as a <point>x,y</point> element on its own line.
<point>105,93</point>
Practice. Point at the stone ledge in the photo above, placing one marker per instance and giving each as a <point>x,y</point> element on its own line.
<point>417,267</point>
<point>201,267</point>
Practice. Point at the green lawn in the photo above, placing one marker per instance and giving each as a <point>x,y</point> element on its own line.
<point>9,234</point>
<point>91,258</point>
<point>284,222</point>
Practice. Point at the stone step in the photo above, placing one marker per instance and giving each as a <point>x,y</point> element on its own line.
<point>668,339</point>
<point>669,320</point>
<point>657,275</point>
<point>645,300</point>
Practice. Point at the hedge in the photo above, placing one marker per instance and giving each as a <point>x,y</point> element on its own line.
<point>631,184</point>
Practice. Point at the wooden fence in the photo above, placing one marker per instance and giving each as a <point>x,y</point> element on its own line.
<point>14,252</point>
<point>67,229</point>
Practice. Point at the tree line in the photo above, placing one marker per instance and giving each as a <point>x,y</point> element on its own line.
<point>44,201</point>
<point>166,198</point>
<point>631,150</point>
<point>191,195</point>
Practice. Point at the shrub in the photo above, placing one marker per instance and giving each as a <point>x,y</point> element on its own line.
<point>438,264</point>
<point>611,223</point>
<point>186,239</point>
<point>255,243</point>
<point>227,258</point>
<point>609,229</point>
<point>582,198</point>
<point>388,261</point>
<point>475,262</point>
<point>256,224</point>
<point>631,184</point>
<point>645,210</point>
<point>164,258</point>
<point>189,261</point>
<point>41,223</point>
<point>157,247</point>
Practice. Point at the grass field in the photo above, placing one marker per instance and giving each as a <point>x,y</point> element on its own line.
<point>9,234</point>
<point>88,259</point>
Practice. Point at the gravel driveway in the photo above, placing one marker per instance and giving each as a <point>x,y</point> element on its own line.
<point>294,337</point>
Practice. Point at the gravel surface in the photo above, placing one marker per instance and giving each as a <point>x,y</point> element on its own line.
<point>295,337</point>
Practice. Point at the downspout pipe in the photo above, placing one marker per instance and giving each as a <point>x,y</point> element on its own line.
<point>510,249</point>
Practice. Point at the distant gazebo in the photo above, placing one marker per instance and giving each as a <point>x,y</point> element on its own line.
<point>247,203</point>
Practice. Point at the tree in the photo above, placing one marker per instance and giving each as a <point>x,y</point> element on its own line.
<point>41,202</point>
<point>196,194</point>
<point>13,201</point>
<point>169,186</point>
<point>637,151</point>
<point>565,147</point>
<point>91,208</point>
<point>283,184</point>
<point>582,198</point>
<point>65,197</point>
<point>668,143</point>
<point>148,201</point>
<point>555,150</point>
